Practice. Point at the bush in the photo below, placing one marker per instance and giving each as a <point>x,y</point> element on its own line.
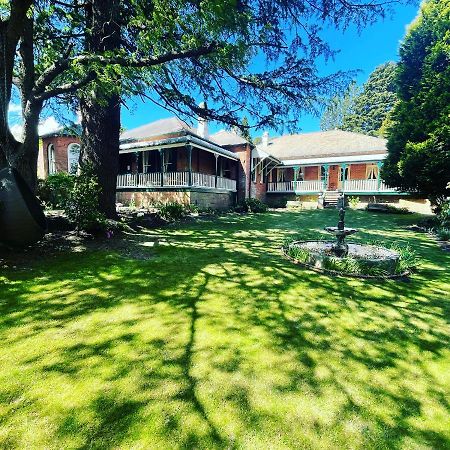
<point>82,203</point>
<point>353,202</point>
<point>172,211</point>
<point>444,215</point>
<point>443,234</point>
<point>54,191</point>
<point>252,205</point>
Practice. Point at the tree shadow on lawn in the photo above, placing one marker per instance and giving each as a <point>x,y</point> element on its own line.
<point>236,322</point>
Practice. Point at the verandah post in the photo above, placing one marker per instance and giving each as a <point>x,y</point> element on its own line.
<point>344,178</point>
<point>215,180</point>
<point>161,170</point>
<point>189,150</point>
<point>379,165</point>
<point>325,178</point>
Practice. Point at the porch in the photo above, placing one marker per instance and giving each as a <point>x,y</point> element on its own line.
<point>356,178</point>
<point>316,186</point>
<point>173,165</point>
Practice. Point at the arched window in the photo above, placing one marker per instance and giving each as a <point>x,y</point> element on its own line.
<point>51,159</point>
<point>73,158</point>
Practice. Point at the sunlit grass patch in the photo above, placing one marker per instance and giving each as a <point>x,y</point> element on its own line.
<point>216,341</point>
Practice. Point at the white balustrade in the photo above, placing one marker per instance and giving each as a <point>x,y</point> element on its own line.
<point>174,179</point>
<point>366,186</point>
<point>348,186</point>
<point>308,186</point>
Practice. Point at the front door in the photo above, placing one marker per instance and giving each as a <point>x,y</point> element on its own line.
<point>333,178</point>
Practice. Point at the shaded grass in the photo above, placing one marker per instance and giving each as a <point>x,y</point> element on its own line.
<point>218,342</point>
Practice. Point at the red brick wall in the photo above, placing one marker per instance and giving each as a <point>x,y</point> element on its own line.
<point>60,144</point>
<point>311,173</point>
<point>357,171</point>
<point>243,169</point>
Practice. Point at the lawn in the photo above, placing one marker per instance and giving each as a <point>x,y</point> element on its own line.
<point>216,341</point>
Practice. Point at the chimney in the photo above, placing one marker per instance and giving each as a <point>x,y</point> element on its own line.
<point>202,127</point>
<point>265,139</point>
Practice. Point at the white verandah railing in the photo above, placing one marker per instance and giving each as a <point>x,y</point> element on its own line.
<point>174,179</point>
<point>318,186</point>
<point>296,186</point>
<point>366,186</point>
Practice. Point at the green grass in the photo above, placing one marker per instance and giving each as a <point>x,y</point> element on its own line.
<point>216,341</point>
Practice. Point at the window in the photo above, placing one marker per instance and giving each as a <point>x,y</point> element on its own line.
<point>343,173</point>
<point>255,162</point>
<point>371,171</point>
<point>280,176</point>
<point>146,162</point>
<point>73,158</point>
<point>51,159</point>
<point>300,174</point>
<point>170,160</point>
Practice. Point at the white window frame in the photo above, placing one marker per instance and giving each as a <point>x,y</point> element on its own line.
<point>71,160</point>
<point>51,161</point>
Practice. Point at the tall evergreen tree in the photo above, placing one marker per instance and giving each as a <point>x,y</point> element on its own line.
<point>373,104</point>
<point>419,136</point>
<point>339,107</point>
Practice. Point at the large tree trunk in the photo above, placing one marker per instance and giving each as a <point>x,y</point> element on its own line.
<point>100,146</point>
<point>101,116</point>
<point>22,156</point>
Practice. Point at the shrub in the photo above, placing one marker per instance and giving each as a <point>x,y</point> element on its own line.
<point>388,209</point>
<point>82,203</point>
<point>54,191</point>
<point>443,234</point>
<point>353,202</point>
<point>444,215</point>
<point>172,211</point>
<point>252,205</point>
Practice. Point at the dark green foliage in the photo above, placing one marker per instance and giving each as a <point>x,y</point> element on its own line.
<point>444,215</point>
<point>252,205</point>
<point>172,211</point>
<point>82,203</point>
<point>387,209</point>
<point>419,135</point>
<point>372,106</point>
<point>54,191</point>
<point>443,234</point>
<point>364,110</point>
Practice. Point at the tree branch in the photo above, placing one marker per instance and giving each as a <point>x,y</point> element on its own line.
<point>63,64</point>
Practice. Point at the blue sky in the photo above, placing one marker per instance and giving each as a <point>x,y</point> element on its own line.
<point>376,44</point>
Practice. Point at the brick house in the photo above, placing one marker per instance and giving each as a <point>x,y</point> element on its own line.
<point>169,160</point>
<point>60,151</point>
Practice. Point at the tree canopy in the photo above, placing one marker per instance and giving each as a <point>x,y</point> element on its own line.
<point>375,101</point>
<point>245,57</point>
<point>419,135</point>
<point>339,107</point>
<point>363,110</point>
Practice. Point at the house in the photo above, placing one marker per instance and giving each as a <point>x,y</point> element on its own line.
<point>170,160</point>
<point>60,151</point>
